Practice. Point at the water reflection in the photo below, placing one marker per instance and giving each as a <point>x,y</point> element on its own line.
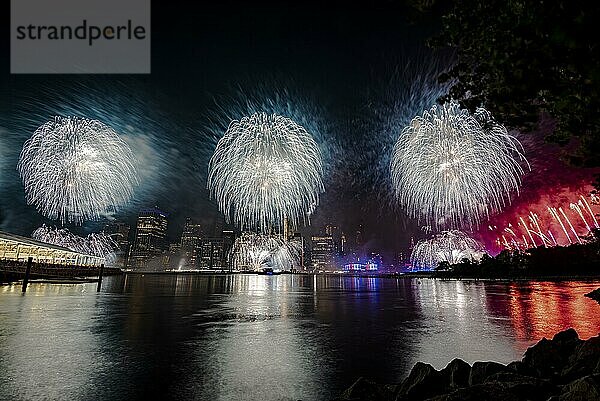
<point>542,309</point>
<point>255,337</point>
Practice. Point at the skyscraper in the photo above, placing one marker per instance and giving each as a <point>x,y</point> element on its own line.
<point>299,239</point>
<point>191,242</point>
<point>228,241</point>
<point>212,254</point>
<point>150,238</point>
<point>322,252</point>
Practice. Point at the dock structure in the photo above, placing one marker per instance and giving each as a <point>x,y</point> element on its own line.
<point>15,248</point>
<point>22,257</point>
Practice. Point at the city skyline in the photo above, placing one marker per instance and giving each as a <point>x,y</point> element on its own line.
<point>174,119</point>
<point>145,246</point>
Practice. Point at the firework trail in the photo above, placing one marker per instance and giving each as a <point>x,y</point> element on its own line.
<point>583,201</point>
<point>266,168</point>
<point>453,169</point>
<point>96,244</point>
<point>255,252</point>
<point>448,246</point>
<point>540,226</point>
<point>76,169</point>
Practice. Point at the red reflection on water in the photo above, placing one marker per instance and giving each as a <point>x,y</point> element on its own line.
<point>543,309</point>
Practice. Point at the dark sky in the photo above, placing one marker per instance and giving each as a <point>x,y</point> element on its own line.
<point>336,65</point>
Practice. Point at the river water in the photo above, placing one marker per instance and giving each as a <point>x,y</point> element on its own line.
<point>249,337</point>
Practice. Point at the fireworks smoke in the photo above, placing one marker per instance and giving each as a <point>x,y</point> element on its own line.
<point>453,169</point>
<point>76,169</point>
<point>257,251</point>
<point>96,244</point>
<point>447,246</point>
<point>266,168</point>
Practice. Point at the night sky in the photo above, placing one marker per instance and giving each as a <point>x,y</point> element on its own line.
<point>352,75</point>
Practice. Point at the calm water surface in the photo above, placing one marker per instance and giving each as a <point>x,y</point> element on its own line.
<point>249,337</point>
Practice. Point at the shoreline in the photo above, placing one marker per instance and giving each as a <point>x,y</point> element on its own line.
<point>384,275</point>
<point>420,275</point>
<point>564,368</point>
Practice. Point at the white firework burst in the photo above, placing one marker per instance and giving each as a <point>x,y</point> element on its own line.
<point>96,244</point>
<point>76,169</point>
<point>448,246</point>
<point>266,168</point>
<point>255,252</point>
<point>453,169</point>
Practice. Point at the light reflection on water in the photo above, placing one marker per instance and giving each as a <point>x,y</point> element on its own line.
<point>265,337</point>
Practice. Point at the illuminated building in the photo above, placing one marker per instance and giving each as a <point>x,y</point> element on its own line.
<point>371,265</point>
<point>150,238</point>
<point>191,242</point>
<point>14,248</point>
<point>361,266</point>
<point>322,252</point>
<point>212,254</point>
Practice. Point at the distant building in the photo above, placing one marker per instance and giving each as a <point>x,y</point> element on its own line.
<point>218,226</point>
<point>212,254</point>
<point>191,243</point>
<point>119,232</point>
<point>175,259</point>
<point>288,229</point>
<point>299,239</point>
<point>343,245</point>
<point>322,252</point>
<point>359,238</point>
<point>150,244</point>
<point>228,241</point>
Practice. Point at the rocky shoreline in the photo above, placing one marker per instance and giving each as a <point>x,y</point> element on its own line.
<point>595,295</point>
<point>565,368</point>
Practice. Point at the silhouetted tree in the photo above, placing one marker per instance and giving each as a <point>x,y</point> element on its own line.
<point>522,58</point>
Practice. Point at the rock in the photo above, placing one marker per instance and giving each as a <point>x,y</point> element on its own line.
<point>566,337</point>
<point>548,358</point>
<point>480,392</point>
<point>366,390</point>
<point>519,367</point>
<point>422,382</point>
<point>522,386</point>
<point>584,360</point>
<point>562,369</point>
<point>503,386</point>
<point>482,370</point>
<point>585,389</point>
<point>456,374</point>
<point>595,295</point>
